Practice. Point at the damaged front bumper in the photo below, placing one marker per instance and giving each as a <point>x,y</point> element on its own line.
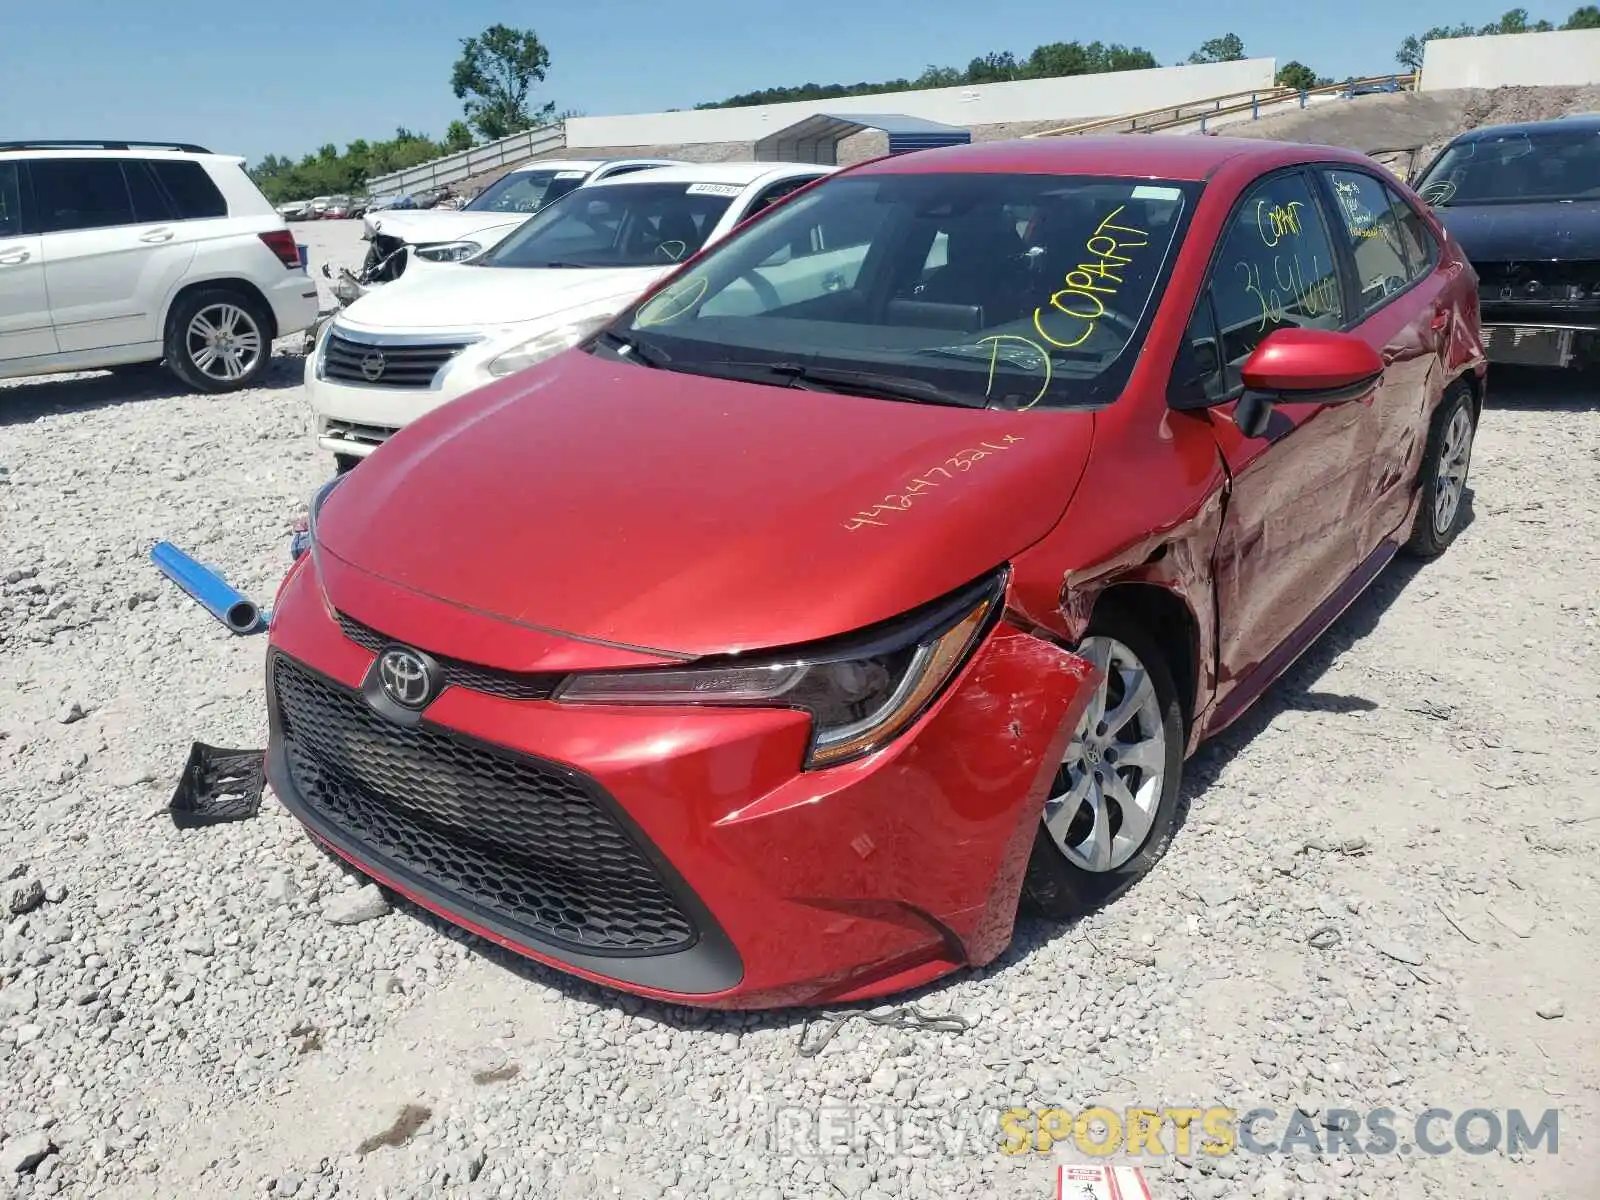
<point>678,853</point>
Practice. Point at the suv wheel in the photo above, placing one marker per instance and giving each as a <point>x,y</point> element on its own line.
<point>217,340</point>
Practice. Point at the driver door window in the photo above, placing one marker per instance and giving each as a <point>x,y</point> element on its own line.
<point>1275,269</point>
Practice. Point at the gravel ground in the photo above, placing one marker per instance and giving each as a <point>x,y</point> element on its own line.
<point>223,1012</point>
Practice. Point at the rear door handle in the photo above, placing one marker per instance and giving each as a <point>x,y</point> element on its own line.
<point>12,257</point>
<point>157,235</point>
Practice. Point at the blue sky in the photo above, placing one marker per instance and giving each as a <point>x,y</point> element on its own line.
<point>285,77</point>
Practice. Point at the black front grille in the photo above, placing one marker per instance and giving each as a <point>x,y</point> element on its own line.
<point>387,365</point>
<point>1538,283</point>
<point>510,685</point>
<point>530,844</point>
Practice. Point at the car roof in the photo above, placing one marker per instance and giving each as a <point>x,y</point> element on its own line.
<point>570,164</point>
<point>133,150</point>
<point>1182,157</point>
<point>741,174</point>
<point>1582,121</point>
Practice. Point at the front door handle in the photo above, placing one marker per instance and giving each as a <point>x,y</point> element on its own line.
<point>157,235</point>
<point>12,257</point>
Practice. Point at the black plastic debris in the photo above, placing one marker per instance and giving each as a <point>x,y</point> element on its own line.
<point>218,786</point>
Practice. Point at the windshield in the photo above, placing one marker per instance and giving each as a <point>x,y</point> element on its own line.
<point>620,225</point>
<point>984,289</point>
<point>525,191</point>
<point>1516,168</point>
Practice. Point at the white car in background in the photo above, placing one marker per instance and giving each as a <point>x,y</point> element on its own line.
<point>452,234</point>
<point>130,254</point>
<point>443,329</point>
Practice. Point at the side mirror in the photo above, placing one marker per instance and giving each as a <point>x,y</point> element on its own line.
<point>1314,366</point>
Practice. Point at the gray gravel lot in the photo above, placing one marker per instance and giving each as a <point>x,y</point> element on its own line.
<point>192,1014</point>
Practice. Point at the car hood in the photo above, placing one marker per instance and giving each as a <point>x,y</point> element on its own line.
<point>455,296</point>
<point>428,226</point>
<point>1511,232</point>
<point>683,515</point>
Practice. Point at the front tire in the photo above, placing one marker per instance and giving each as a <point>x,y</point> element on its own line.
<point>218,340</point>
<point>345,463</point>
<point>1113,805</point>
<point>1443,474</point>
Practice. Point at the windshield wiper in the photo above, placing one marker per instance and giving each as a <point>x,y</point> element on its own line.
<point>869,383</point>
<point>635,348</point>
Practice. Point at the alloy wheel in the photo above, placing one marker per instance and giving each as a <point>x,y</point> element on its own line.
<point>1454,459</point>
<point>224,342</point>
<point>1109,784</point>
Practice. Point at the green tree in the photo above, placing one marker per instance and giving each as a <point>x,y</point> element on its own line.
<point>1515,21</point>
<point>327,172</point>
<point>458,137</point>
<point>1045,62</point>
<point>494,75</point>
<point>992,68</point>
<point>1300,77</point>
<point>1587,17</point>
<point>1227,48</point>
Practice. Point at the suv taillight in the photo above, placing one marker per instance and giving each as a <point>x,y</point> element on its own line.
<point>281,242</point>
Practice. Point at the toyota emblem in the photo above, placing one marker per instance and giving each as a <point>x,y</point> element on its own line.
<point>405,677</point>
<point>372,366</point>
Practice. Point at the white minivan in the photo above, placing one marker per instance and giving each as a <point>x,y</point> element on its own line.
<point>117,254</point>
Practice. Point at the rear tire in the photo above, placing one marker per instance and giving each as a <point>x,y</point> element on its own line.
<point>1113,804</point>
<point>219,340</point>
<point>1443,475</point>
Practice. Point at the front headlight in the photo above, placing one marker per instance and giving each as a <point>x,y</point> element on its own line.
<point>447,252</point>
<point>861,691</point>
<point>546,345</point>
<point>303,539</point>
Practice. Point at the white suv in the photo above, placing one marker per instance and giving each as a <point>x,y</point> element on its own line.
<point>115,254</point>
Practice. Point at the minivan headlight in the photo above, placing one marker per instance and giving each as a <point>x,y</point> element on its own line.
<point>546,345</point>
<point>861,691</point>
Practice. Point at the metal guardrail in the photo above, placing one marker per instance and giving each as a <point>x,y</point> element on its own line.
<point>1228,103</point>
<point>464,165</point>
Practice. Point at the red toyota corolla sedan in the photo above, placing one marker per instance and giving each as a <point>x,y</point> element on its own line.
<point>880,569</point>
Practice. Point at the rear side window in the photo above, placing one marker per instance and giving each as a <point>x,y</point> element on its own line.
<point>1422,248</point>
<point>194,197</point>
<point>1275,269</point>
<point>1370,218</point>
<point>774,193</point>
<point>149,205</point>
<point>80,193</point>
<point>10,201</point>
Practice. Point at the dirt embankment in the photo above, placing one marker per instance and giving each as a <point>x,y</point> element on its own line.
<point>1426,120</point>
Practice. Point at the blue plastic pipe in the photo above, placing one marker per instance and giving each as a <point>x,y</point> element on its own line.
<point>209,589</point>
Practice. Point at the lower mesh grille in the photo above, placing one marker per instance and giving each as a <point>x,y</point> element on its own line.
<point>528,843</point>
